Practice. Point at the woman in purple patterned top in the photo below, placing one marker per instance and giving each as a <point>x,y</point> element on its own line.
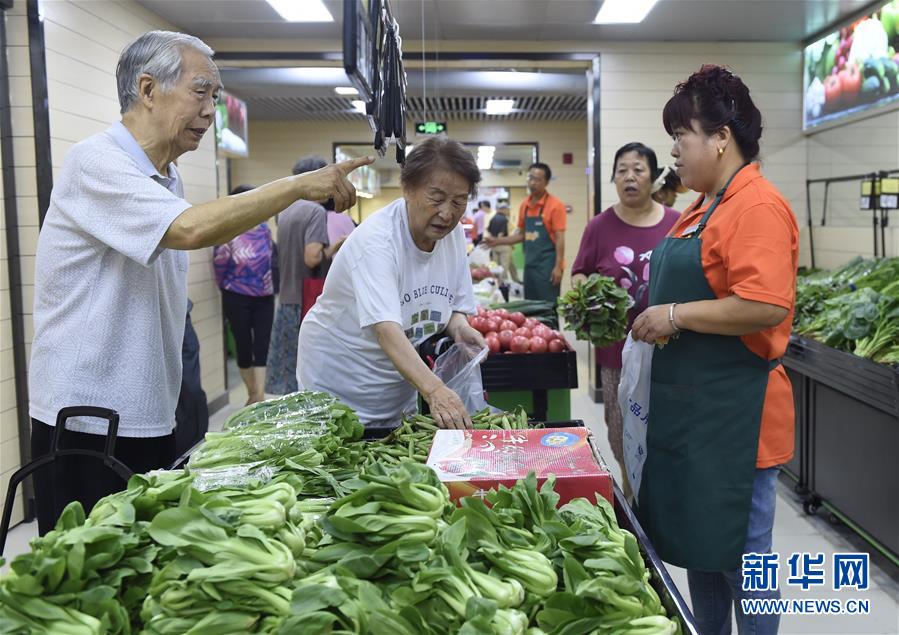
<point>243,271</point>
<point>618,243</point>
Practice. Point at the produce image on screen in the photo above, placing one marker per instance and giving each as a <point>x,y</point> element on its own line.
<point>231,125</point>
<point>853,71</point>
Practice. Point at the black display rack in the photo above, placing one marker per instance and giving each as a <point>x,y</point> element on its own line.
<point>535,372</point>
<point>847,434</point>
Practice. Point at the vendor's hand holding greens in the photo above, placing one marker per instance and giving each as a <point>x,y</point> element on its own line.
<point>309,530</point>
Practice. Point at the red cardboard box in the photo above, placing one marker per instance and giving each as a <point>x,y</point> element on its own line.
<point>470,462</point>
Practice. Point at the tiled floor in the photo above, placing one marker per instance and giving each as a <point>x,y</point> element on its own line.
<point>793,532</point>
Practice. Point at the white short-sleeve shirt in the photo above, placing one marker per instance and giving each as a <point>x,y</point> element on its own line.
<point>109,302</point>
<point>379,275</point>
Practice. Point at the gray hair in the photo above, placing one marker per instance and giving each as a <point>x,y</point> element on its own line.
<point>158,54</point>
<point>309,163</point>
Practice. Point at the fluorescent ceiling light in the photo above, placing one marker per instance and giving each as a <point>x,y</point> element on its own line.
<point>485,157</point>
<point>623,11</point>
<point>302,10</point>
<point>359,105</point>
<point>346,90</point>
<point>500,106</point>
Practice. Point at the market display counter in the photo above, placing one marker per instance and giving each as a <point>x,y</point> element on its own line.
<point>847,433</point>
<point>660,579</point>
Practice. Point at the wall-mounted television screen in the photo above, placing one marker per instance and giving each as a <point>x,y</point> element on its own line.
<point>852,72</point>
<point>231,125</point>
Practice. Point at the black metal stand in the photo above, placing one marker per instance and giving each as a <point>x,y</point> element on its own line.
<point>873,176</point>
<point>106,456</point>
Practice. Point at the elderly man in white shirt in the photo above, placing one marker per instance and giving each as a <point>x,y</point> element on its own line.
<point>111,267</point>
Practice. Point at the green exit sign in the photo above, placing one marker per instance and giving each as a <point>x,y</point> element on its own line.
<point>430,127</point>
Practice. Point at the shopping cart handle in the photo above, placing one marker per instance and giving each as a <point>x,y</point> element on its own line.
<point>65,414</point>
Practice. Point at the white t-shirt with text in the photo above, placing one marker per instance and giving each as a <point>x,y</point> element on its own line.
<point>380,275</point>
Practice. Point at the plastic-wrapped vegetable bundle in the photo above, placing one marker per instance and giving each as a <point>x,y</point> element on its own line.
<point>302,426</point>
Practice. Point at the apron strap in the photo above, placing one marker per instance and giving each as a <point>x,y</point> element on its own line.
<point>716,202</point>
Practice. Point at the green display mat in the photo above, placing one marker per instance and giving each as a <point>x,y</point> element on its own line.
<point>558,402</point>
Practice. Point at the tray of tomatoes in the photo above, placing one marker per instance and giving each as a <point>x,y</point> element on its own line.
<point>525,354</point>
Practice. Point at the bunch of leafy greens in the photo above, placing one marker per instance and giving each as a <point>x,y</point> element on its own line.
<point>853,309</point>
<point>596,310</point>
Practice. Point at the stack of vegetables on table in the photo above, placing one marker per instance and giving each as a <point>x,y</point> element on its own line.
<point>321,532</point>
<point>519,327</point>
<point>596,310</point>
<point>854,308</point>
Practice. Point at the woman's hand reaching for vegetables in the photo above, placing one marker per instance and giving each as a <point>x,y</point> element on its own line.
<point>447,409</point>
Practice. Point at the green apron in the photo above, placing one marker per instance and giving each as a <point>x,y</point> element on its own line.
<point>706,398</point>
<point>539,259</point>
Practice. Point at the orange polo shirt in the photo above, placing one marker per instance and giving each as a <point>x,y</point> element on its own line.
<point>750,248</point>
<point>554,217</point>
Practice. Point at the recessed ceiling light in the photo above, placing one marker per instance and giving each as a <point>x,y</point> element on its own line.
<point>346,90</point>
<point>623,11</point>
<point>500,106</point>
<point>359,105</point>
<point>302,10</point>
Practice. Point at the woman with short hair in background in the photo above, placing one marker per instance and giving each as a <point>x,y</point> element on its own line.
<point>618,243</point>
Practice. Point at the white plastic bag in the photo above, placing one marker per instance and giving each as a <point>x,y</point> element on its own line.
<point>460,369</point>
<point>480,256</point>
<point>633,399</point>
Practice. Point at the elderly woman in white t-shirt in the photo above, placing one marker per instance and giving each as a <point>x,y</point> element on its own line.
<point>400,278</point>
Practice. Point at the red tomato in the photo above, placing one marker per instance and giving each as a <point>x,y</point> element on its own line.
<point>520,344</point>
<point>518,318</point>
<point>502,313</point>
<point>833,90</point>
<point>507,325</point>
<point>479,324</point>
<point>850,83</point>
<point>538,344</point>
<point>557,336</point>
<point>493,343</point>
<point>556,346</point>
<point>491,324</point>
<point>523,332</point>
<point>541,330</point>
<point>481,310</point>
<point>505,338</point>
<point>531,322</point>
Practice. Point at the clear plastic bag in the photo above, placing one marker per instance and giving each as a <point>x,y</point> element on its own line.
<point>633,399</point>
<point>460,369</point>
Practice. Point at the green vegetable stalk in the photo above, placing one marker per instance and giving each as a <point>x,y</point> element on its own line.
<point>596,310</point>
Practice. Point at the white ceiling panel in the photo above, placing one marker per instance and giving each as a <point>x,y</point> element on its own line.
<point>556,20</point>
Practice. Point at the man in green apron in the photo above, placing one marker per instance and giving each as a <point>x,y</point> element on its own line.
<point>541,227</point>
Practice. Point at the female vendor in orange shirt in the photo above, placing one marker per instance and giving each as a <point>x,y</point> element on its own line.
<point>722,288</point>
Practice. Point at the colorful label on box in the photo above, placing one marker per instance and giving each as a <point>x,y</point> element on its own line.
<point>470,462</point>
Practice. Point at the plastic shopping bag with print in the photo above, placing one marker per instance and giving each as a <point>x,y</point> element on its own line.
<point>633,399</point>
